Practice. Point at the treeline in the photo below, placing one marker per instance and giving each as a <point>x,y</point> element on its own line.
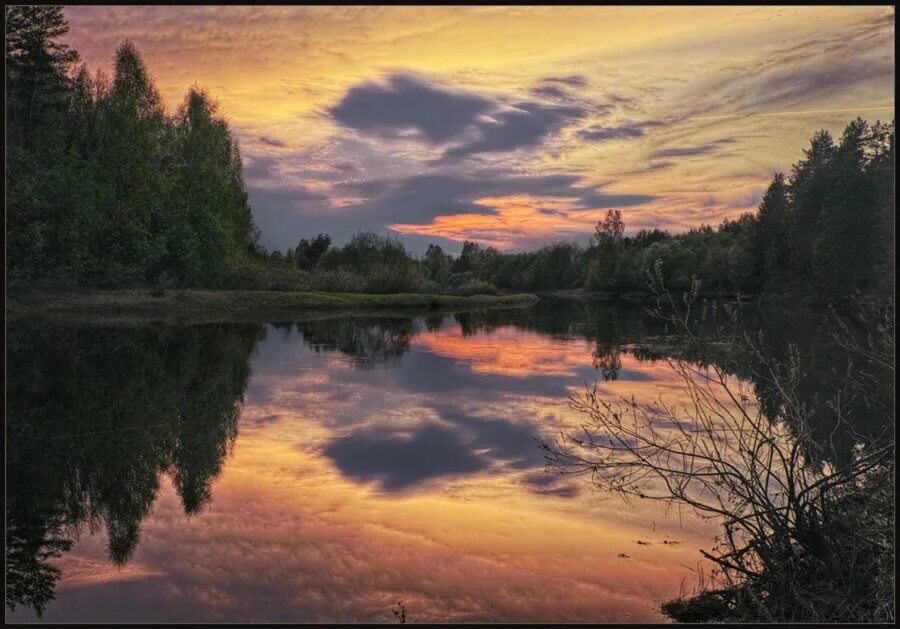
<point>101,184</point>
<point>826,228</point>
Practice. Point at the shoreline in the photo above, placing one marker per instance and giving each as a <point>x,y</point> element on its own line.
<point>778,299</point>
<point>213,305</point>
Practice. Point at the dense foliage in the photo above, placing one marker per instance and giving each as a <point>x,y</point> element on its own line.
<point>102,185</point>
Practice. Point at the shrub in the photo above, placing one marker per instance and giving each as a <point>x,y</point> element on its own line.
<point>476,287</point>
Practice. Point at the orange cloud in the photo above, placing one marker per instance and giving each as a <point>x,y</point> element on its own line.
<point>518,219</point>
<point>510,352</point>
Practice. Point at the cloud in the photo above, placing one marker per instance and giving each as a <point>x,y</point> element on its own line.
<point>429,195</point>
<point>405,102</point>
<point>687,151</point>
<point>272,142</point>
<point>600,133</point>
<point>397,461</point>
<point>465,444</point>
<point>285,214</point>
<point>528,124</point>
<point>517,222</point>
<point>575,80</point>
<point>550,91</point>
<point>260,167</point>
<point>804,73</point>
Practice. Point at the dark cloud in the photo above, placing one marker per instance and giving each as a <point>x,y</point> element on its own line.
<point>405,102</point>
<point>545,482</point>
<point>551,212</point>
<point>260,167</point>
<point>463,444</point>
<point>440,115</point>
<point>550,91</point>
<point>271,141</point>
<point>574,80</point>
<point>286,214</point>
<point>659,166</point>
<point>424,197</point>
<point>600,133</point>
<point>529,124</point>
<point>345,167</point>
<point>687,151</point>
<point>474,124</point>
<point>397,461</point>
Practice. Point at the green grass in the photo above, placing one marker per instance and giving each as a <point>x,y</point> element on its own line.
<point>238,303</point>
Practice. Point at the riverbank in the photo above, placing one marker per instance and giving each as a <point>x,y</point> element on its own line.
<point>166,304</point>
<point>777,299</point>
<point>632,296</point>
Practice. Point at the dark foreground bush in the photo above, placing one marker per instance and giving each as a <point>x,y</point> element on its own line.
<point>847,577</point>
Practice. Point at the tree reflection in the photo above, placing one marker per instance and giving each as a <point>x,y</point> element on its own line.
<point>370,342</point>
<point>94,416</point>
<point>620,329</point>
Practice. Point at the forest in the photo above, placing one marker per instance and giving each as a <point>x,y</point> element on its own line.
<point>105,189</point>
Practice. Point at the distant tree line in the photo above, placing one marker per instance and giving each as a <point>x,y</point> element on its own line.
<point>101,184</point>
<point>826,228</point>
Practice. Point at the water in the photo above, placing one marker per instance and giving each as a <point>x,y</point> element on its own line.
<point>329,469</point>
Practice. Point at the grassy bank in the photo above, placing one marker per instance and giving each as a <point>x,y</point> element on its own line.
<point>631,296</point>
<point>231,303</point>
<point>794,299</point>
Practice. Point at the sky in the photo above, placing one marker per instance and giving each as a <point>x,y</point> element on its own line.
<point>511,126</point>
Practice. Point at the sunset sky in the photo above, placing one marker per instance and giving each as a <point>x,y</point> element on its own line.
<point>512,126</point>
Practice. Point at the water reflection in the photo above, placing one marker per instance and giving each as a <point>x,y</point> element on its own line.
<point>94,416</point>
<point>369,342</point>
<point>346,478</point>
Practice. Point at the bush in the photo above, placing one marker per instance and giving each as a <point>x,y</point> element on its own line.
<point>475,288</point>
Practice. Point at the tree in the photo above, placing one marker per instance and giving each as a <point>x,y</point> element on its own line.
<point>772,227</point>
<point>608,235</point>
<point>437,263</point>
<point>209,224</point>
<point>465,261</point>
<point>308,253</point>
<point>36,71</point>
<point>881,171</point>
<point>134,158</point>
<point>840,249</point>
<point>37,89</point>
<point>808,185</point>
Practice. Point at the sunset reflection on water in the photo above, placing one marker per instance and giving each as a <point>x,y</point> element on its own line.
<point>350,489</point>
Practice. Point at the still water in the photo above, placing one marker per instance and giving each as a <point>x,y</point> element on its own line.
<point>327,469</point>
